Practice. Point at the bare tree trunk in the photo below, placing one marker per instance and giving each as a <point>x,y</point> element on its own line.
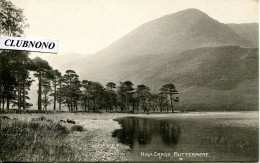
<point>111,104</point>
<point>143,105</point>
<point>7,103</point>
<point>40,92</point>
<point>59,103</point>
<point>167,103</point>
<point>138,105</point>
<point>127,107</point>
<point>94,105</point>
<point>171,102</point>
<point>19,98</point>
<point>7,99</point>
<point>69,106</point>
<point>54,101</point>
<point>19,94</point>
<point>156,105</point>
<point>60,97</point>
<point>85,106</point>
<point>3,104</point>
<point>88,105</point>
<point>76,105</point>
<point>45,100</point>
<point>97,106</point>
<point>133,105</point>
<point>24,95</point>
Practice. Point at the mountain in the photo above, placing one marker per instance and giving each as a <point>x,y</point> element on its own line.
<point>248,31</point>
<point>213,65</point>
<point>219,77</point>
<point>183,30</point>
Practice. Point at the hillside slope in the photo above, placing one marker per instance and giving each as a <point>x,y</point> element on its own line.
<point>211,63</point>
<point>212,76</point>
<point>248,31</point>
<point>180,31</point>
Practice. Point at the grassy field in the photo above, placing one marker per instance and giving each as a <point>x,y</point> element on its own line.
<point>25,139</point>
<point>34,141</point>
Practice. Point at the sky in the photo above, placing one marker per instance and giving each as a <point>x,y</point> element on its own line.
<point>87,26</point>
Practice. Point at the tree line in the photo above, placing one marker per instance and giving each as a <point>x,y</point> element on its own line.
<point>67,90</point>
<point>16,77</point>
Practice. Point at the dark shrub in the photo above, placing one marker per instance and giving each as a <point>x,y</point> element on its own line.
<point>39,119</point>
<point>77,128</point>
<point>4,117</point>
<point>71,121</point>
<point>62,121</point>
<point>62,130</point>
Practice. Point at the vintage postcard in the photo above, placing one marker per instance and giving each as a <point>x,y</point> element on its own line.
<point>129,80</point>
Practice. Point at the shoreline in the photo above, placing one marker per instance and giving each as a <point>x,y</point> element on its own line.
<point>96,143</point>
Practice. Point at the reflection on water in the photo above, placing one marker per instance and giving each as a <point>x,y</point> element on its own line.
<point>209,133</point>
<point>142,131</point>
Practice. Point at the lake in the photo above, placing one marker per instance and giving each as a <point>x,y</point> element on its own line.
<point>209,136</point>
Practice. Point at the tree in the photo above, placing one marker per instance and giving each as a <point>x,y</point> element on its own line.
<point>71,89</point>
<point>164,91</point>
<point>97,93</point>
<point>135,102</point>
<point>8,79</point>
<point>86,94</point>
<point>41,67</point>
<point>169,89</point>
<point>55,81</point>
<point>111,85</point>
<point>143,93</point>
<point>154,102</point>
<point>26,88</point>
<point>12,24</point>
<point>15,78</point>
<point>22,66</point>
<point>12,19</point>
<point>121,98</point>
<point>46,92</point>
<point>161,101</point>
<point>111,93</point>
<point>60,90</point>
<point>76,92</point>
<point>125,92</point>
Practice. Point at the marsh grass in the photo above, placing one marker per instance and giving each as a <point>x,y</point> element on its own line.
<point>34,141</point>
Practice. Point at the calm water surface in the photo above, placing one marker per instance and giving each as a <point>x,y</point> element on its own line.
<point>193,136</point>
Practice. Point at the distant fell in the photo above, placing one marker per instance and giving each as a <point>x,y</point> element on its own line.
<point>214,65</point>
<point>248,31</point>
<point>180,31</point>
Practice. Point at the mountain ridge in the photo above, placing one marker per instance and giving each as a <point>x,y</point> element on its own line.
<point>169,34</point>
<point>188,48</point>
<point>248,31</point>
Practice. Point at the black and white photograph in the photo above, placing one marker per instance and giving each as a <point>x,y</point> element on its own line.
<point>129,81</point>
